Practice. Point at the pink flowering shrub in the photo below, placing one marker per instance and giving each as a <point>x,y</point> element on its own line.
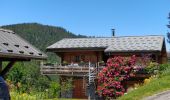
<point>111,79</point>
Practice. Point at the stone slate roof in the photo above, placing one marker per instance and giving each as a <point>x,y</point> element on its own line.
<point>112,44</point>
<point>13,46</point>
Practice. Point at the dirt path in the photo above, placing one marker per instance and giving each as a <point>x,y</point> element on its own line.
<point>160,96</point>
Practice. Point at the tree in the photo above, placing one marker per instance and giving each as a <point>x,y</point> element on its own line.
<point>168,34</point>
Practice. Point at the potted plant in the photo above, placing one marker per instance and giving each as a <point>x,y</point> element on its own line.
<point>82,63</point>
<point>65,63</point>
<point>102,63</point>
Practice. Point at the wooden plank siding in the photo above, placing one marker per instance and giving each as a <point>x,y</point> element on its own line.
<point>78,91</point>
<point>91,56</point>
<point>96,56</point>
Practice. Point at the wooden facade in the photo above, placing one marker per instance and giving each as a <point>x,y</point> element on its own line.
<point>94,57</point>
<point>81,56</point>
<point>77,53</point>
<point>78,72</point>
<point>79,90</point>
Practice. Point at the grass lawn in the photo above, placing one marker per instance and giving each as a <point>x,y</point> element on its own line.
<point>156,85</point>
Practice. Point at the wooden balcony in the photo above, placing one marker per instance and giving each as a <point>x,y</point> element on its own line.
<point>67,70</point>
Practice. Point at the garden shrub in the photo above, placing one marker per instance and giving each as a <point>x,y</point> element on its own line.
<point>164,69</point>
<point>152,68</point>
<point>111,79</point>
<point>54,90</point>
<point>66,87</point>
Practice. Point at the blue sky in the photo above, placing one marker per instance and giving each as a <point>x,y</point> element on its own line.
<point>91,17</point>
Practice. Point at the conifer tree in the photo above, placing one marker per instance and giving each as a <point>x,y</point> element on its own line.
<point>168,34</point>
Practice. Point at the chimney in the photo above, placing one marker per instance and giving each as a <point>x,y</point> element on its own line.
<point>113,32</point>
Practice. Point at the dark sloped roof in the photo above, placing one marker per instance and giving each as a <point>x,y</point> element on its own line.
<point>13,46</point>
<point>112,44</point>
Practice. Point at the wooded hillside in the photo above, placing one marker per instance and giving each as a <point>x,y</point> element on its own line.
<point>41,36</point>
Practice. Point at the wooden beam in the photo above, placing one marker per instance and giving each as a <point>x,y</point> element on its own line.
<point>48,77</point>
<point>157,59</point>
<point>13,59</point>
<point>7,68</point>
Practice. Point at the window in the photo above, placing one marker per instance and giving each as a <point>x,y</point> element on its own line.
<point>153,57</point>
<point>77,59</point>
<point>82,57</point>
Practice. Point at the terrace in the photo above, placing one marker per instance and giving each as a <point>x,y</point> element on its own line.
<point>69,69</point>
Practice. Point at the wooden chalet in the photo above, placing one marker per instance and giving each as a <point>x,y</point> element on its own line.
<point>13,48</point>
<point>80,57</point>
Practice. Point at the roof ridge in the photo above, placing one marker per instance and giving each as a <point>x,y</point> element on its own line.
<point>113,37</point>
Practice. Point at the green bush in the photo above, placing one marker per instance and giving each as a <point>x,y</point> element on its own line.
<point>152,68</point>
<point>54,90</point>
<point>66,86</point>
<point>26,78</point>
<point>164,70</point>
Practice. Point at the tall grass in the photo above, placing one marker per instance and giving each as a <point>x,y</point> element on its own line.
<point>157,84</point>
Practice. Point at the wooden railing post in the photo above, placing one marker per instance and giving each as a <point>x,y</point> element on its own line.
<point>89,72</point>
<point>98,67</point>
<point>41,64</point>
<point>41,67</point>
<point>89,82</point>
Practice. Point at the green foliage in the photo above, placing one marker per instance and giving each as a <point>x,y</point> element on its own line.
<point>156,84</point>
<point>164,70</point>
<point>67,85</point>
<point>28,75</point>
<point>152,68</point>
<point>164,67</point>
<point>54,89</point>
<point>65,63</point>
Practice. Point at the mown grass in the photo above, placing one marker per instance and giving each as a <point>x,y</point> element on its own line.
<point>156,85</point>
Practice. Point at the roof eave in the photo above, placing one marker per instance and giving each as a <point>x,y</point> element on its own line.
<point>7,55</point>
<point>75,49</point>
<point>130,51</point>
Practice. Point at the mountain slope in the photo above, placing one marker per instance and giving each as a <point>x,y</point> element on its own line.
<point>40,35</point>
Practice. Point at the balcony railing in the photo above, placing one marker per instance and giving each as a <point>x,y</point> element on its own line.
<point>68,70</point>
